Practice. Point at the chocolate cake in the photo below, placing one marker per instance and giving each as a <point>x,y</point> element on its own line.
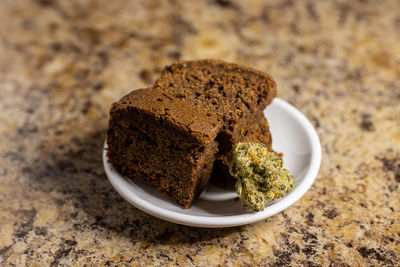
<point>165,141</point>
<point>237,95</point>
<point>177,133</point>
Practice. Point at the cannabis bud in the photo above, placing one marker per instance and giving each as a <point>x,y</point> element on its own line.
<point>260,175</point>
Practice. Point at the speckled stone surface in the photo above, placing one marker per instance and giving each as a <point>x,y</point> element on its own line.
<point>63,63</point>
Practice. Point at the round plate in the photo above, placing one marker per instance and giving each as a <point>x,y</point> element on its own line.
<point>292,134</point>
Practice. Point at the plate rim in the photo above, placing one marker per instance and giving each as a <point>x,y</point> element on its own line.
<point>228,220</point>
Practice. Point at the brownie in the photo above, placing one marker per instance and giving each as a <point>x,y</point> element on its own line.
<point>236,94</point>
<point>165,141</point>
<point>176,134</point>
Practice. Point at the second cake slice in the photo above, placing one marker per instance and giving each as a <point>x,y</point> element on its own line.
<point>236,94</point>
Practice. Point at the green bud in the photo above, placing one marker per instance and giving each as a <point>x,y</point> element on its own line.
<point>260,175</point>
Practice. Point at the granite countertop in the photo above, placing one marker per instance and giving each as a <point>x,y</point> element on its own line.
<point>62,64</point>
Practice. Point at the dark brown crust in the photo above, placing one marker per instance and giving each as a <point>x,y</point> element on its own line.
<point>203,126</point>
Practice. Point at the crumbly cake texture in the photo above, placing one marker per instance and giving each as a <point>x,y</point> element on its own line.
<point>177,133</point>
<point>257,131</point>
<point>165,141</point>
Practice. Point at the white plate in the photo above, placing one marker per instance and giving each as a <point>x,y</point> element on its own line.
<point>292,134</point>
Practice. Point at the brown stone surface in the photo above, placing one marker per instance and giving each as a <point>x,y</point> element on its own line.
<point>63,63</point>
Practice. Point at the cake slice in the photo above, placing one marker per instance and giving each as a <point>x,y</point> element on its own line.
<point>165,141</point>
<point>236,94</point>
